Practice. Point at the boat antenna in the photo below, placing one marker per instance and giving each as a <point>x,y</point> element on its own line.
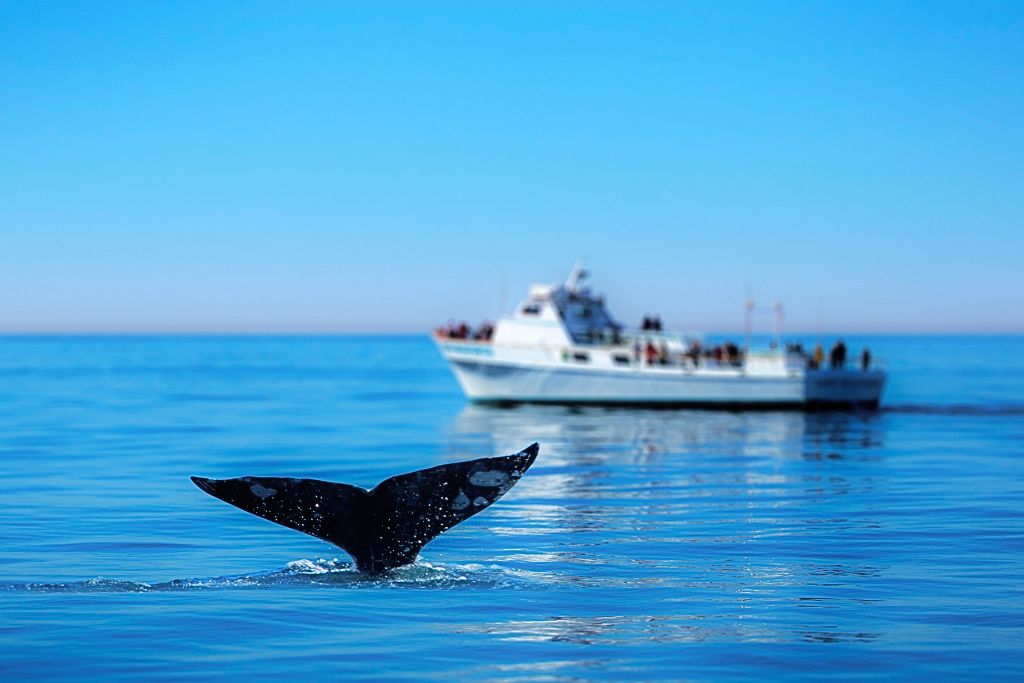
<point>779,315</point>
<point>576,276</point>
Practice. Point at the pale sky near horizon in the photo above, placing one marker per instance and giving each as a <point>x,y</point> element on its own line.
<point>289,167</point>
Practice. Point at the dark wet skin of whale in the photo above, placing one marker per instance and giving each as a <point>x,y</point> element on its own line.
<point>386,526</point>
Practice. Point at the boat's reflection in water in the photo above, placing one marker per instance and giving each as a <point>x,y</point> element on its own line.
<point>664,430</point>
<point>724,520</point>
<point>577,437</point>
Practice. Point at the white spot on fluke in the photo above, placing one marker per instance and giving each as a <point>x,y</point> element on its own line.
<point>460,502</point>
<point>488,478</point>
<point>262,491</point>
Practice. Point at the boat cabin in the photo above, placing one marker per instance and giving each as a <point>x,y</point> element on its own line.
<point>565,313</point>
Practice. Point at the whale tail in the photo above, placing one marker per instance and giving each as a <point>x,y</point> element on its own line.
<point>386,526</point>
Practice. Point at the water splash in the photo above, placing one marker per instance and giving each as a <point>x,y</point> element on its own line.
<point>305,573</point>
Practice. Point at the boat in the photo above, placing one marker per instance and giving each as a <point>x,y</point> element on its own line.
<point>562,346</point>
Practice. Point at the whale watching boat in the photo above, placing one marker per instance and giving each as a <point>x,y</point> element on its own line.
<point>561,345</point>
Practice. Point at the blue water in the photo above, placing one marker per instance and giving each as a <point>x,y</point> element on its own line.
<point>693,545</point>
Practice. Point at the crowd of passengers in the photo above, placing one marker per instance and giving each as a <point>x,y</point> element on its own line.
<point>730,354</point>
<point>721,354</point>
<point>462,330</point>
<point>836,357</point>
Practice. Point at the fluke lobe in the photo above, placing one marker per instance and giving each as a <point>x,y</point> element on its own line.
<point>386,526</point>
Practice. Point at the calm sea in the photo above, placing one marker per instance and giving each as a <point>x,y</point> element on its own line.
<point>694,545</point>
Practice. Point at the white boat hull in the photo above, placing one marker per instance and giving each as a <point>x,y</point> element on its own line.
<point>488,379</point>
<point>494,382</point>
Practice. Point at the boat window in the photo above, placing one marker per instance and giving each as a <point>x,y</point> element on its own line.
<point>581,357</point>
<point>621,359</point>
<point>532,309</point>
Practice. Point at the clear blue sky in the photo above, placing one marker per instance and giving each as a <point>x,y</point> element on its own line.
<point>243,166</point>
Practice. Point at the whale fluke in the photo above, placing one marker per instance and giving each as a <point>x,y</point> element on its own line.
<point>386,526</point>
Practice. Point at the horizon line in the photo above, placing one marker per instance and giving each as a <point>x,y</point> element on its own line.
<point>405,332</point>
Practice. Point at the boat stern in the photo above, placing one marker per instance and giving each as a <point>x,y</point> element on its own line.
<point>844,388</point>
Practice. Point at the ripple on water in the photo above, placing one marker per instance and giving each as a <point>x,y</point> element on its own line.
<point>319,573</point>
<point>643,544</point>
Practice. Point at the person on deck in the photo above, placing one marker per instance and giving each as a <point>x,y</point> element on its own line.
<point>838,355</point>
<point>819,356</point>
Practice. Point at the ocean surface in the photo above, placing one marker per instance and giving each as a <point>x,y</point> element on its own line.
<point>679,545</point>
